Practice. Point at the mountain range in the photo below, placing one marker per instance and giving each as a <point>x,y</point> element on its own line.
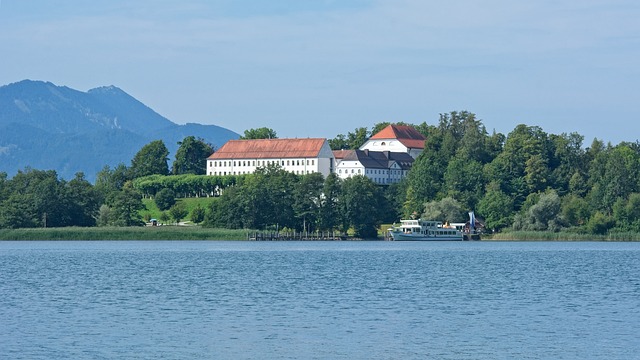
<point>48,127</point>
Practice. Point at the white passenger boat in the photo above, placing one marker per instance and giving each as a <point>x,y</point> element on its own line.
<point>425,230</point>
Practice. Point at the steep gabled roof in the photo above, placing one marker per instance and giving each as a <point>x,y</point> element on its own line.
<point>341,154</point>
<point>407,135</point>
<point>269,149</point>
<point>380,159</point>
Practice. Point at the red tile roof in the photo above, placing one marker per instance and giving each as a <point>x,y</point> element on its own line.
<point>341,154</point>
<point>407,135</point>
<point>269,149</point>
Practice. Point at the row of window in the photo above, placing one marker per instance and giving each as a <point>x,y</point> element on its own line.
<point>222,173</point>
<point>298,162</point>
<point>373,172</point>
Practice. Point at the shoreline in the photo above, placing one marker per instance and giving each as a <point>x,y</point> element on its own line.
<point>177,233</point>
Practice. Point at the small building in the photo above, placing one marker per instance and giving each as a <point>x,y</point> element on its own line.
<point>382,167</point>
<point>397,139</point>
<point>299,156</point>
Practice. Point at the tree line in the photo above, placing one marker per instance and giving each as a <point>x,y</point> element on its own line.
<point>38,198</point>
<point>525,180</point>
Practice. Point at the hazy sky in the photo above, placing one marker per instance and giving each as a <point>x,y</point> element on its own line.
<point>324,67</point>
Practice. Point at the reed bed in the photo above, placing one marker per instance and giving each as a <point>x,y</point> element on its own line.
<point>124,233</point>
<point>561,236</point>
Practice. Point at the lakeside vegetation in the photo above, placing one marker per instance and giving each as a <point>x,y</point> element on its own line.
<point>178,233</point>
<point>560,236</point>
<point>124,233</point>
<point>526,185</point>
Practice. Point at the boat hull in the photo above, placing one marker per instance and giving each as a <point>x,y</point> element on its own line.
<point>399,236</point>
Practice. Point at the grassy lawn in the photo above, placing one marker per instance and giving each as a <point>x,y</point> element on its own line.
<point>190,203</point>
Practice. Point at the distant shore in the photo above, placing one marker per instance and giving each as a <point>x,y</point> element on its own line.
<point>199,233</point>
<point>124,233</point>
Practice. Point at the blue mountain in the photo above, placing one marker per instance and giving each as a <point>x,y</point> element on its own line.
<point>49,127</point>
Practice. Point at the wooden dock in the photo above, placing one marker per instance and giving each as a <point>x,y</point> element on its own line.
<point>294,236</point>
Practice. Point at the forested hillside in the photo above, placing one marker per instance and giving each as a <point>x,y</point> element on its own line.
<point>43,125</point>
<point>525,180</point>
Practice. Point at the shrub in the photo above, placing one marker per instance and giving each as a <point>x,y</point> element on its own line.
<point>165,199</point>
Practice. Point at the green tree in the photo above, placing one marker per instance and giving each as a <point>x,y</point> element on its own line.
<point>164,217</point>
<point>600,224</point>
<point>445,210</point>
<point>544,215</point>
<point>339,142</point>
<point>307,200</point>
<point>329,205</point>
<point>575,210</point>
<point>85,201</point>
<point>165,199</point>
<point>353,140</point>
<point>527,149</point>
<point>198,214</point>
<point>361,206</point>
<point>104,215</point>
<point>568,161</point>
<point>35,198</point>
<point>150,160</point>
<point>464,181</point>
<point>110,180</point>
<point>425,180</point>
<point>191,157</point>
<point>178,212</point>
<point>496,208</point>
<point>262,199</point>
<point>357,138</point>
<point>259,133</point>
<point>626,213</point>
<point>125,207</point>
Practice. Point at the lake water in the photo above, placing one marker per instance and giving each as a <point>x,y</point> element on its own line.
<point>319,300</point>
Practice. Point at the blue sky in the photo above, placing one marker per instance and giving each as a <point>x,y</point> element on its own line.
<point>321,68</point>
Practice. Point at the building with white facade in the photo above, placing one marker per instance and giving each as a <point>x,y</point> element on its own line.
<point>397,139</point>
<point>385,158</point>
<point>299,156</point>
<point>382,167</point>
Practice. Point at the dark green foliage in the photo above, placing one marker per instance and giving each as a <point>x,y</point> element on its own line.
<point>445,210</point>
<point>164,217</point>
<point>125,207</point>
<point>496,207</point>
<point>307,196</point>
<point>150,160</point>
<point>600,223</point>
<point>259,133</point>
<point>35,198</point>
<point>197,214</point>
<point>191,157</point>
<point>353,140</point>
<point>575,210</point>
<point>178,212</point>
<point>361,207</point>
<point>543,215</point>
<point>626,213</point>
<point>329,218</point>
<point>109,180</point>
<point>528,180</point>
<point>86,201</point>
<point>165,199</point>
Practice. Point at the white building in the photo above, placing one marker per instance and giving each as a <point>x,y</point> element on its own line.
<point>397,139</point>
<point>382,167</point>
<point>385,158</point>
<point>299,156</point>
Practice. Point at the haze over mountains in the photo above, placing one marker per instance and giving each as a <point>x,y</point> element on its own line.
<point>50,127</point>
